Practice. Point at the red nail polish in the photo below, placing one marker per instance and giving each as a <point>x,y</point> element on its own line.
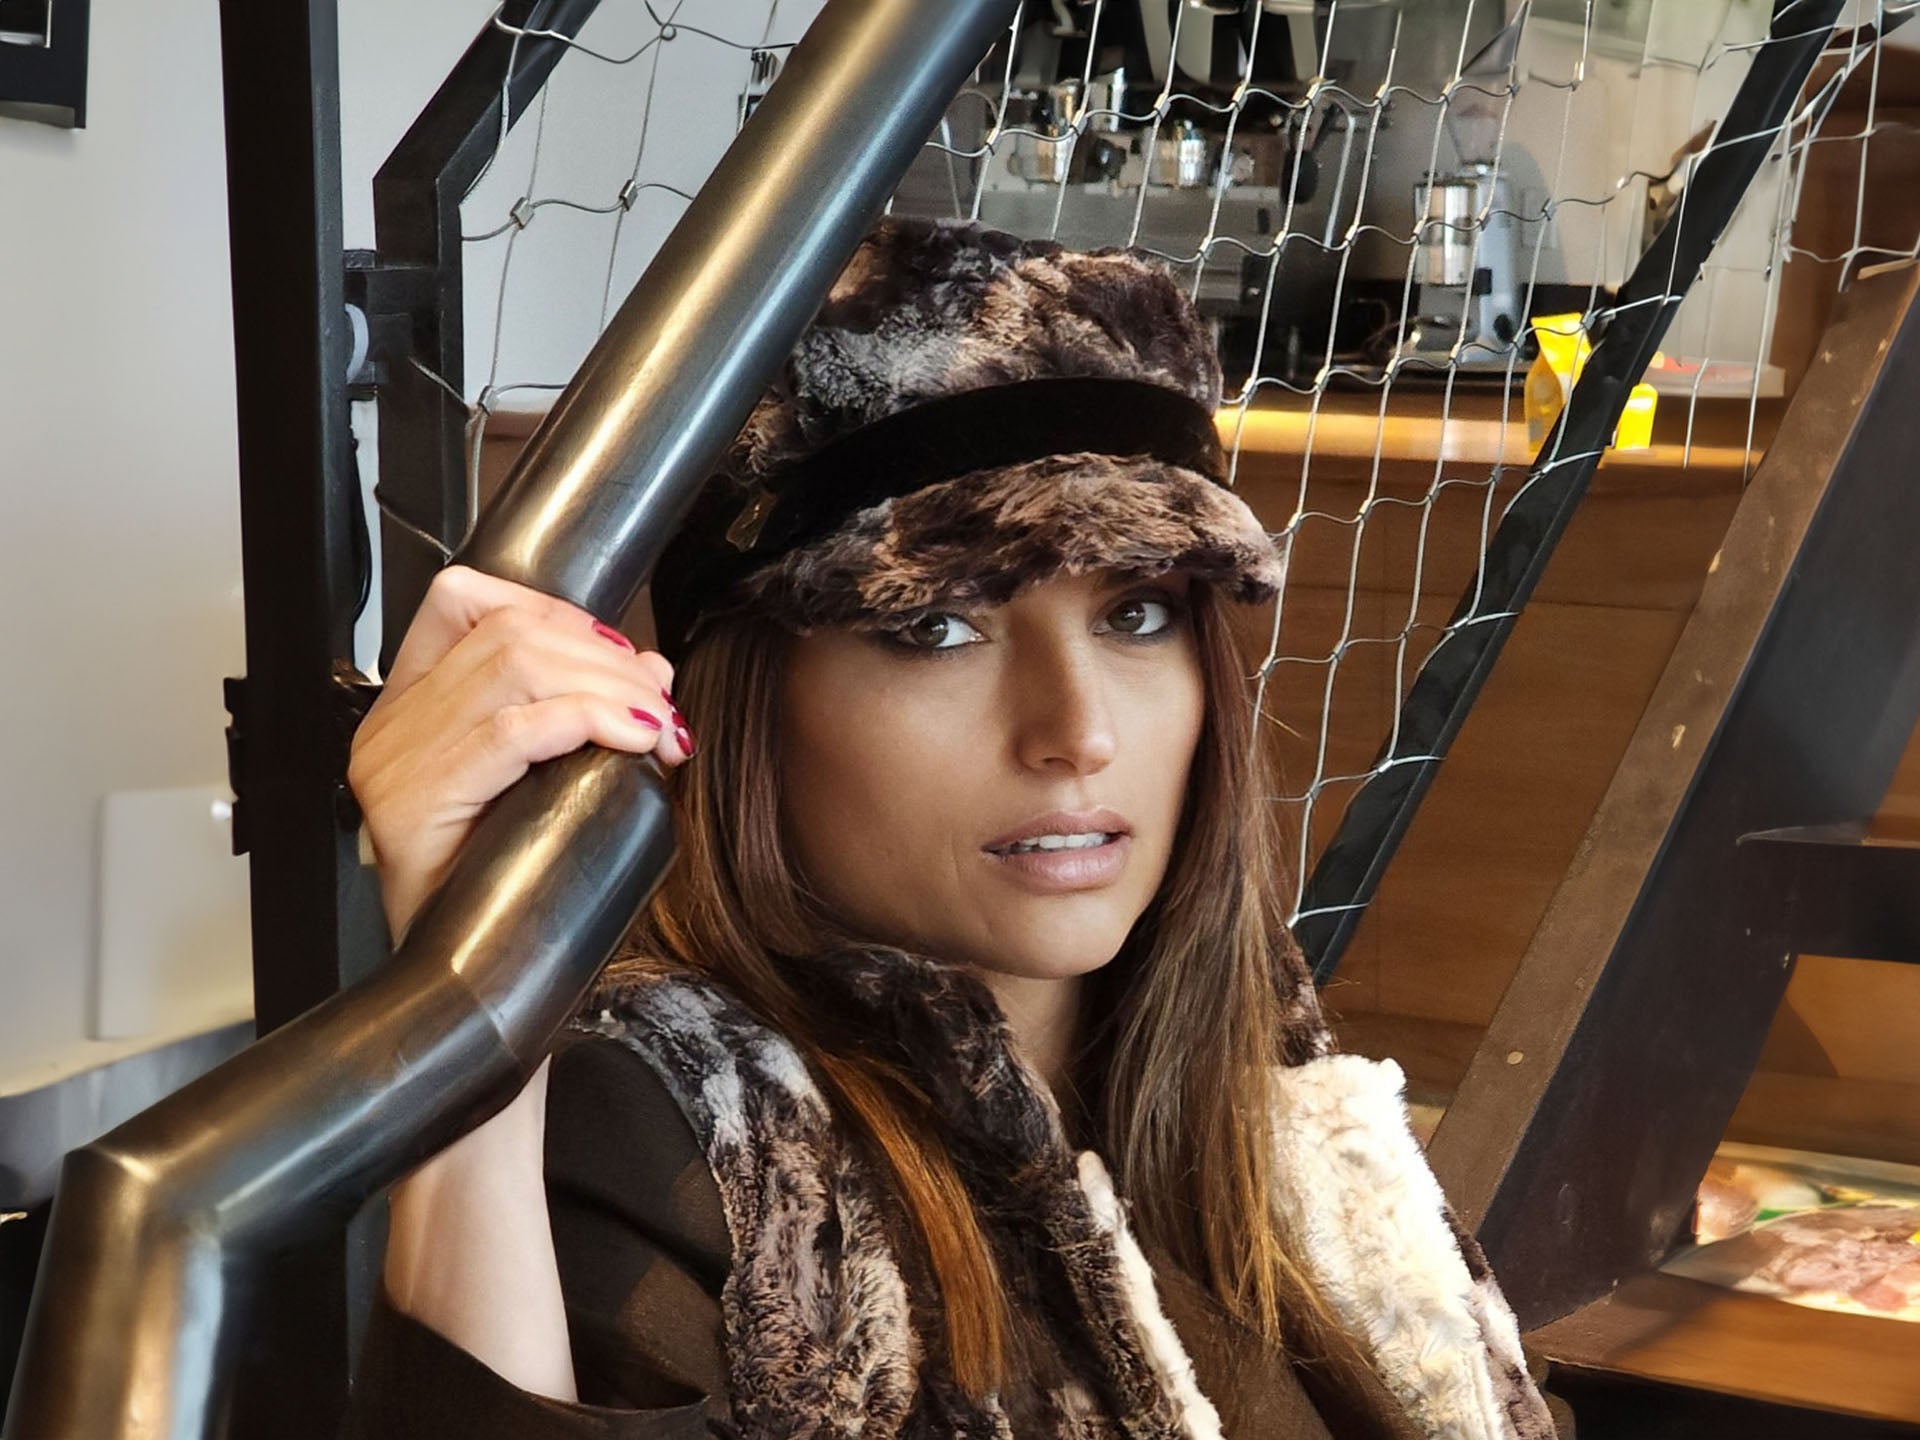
<point>685,738</point>
<point>607,632</point>
<point>668,693</point>
<point>652,722</point>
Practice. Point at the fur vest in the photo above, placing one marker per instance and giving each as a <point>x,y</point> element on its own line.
<point>829,1329</point>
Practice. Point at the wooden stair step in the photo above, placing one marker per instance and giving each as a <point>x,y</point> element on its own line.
<point>1840,889</point>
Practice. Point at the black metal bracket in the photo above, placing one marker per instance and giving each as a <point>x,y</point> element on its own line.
<point>352,694</point>
<point>399,300</point>
<point>45,81</point>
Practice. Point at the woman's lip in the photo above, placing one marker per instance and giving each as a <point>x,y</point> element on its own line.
<point>1052,872</point>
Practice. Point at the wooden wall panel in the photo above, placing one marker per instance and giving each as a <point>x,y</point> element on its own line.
<point>1496,832</point>
<point>1874,1119</point>
<point>1852,1019</point>
<point>1831,221</point>
<point>1841,1068</point>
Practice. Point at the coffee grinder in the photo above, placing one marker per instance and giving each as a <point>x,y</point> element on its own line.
<point>1466,272</point>
<point>1469,305</point>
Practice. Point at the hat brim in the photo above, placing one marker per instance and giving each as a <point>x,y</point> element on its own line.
<point>981,538</point>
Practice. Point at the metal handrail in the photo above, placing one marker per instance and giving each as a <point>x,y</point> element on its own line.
<point>161,1228</point>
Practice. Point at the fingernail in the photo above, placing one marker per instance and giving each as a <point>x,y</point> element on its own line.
<point>684,737</point>
<point>607,632</point>
<point>652,722</point>
<point>668,694</point>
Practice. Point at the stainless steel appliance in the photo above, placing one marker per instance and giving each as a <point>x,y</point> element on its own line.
<point>1468,304</point>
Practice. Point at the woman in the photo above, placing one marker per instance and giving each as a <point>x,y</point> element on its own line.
<point>976,929</point>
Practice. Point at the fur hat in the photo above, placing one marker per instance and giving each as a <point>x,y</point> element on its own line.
<point>968,413</point>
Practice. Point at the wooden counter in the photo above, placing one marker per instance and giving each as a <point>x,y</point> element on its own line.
<point>1663,1327</point>
<point>1421,425</point>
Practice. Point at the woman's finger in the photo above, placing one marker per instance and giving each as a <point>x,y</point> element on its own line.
<point>514,658</point>
<point>499,750</point>
<point>415,758</point>
<point>458,598</point>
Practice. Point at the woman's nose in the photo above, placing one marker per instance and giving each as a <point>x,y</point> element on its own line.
<point>1064,715</point>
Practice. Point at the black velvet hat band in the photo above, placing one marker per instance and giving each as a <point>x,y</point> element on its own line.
<point>969,411</point>
<point>989,427</point>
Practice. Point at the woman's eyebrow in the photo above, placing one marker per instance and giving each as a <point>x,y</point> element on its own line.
<point>1134,580</point>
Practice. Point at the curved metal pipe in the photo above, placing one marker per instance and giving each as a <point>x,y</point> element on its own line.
<point>142,1288</point>
<point>159,1227</point>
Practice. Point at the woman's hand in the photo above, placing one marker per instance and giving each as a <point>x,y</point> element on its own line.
<point>491,677</point>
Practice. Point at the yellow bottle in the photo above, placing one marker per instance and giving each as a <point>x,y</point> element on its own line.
<point>1635,431</point>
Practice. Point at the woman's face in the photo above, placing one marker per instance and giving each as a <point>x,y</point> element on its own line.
<point>911,761</point>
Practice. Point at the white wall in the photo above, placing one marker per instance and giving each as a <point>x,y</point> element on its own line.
<point>119,554</point>
<point>120,603</point>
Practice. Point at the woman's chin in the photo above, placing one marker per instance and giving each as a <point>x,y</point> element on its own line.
<point>1055,947</point>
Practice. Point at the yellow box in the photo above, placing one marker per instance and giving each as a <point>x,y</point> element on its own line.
<point>1564,352</point>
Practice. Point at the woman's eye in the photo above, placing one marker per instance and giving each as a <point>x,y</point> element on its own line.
<point>937,631</point>
<point>1141,615</point>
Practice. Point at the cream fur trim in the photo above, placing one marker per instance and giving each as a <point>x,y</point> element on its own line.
<point>1168,1356</point>
<point>1366,1218</point>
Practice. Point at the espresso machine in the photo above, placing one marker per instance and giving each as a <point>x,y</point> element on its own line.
<point>1086,143</point>
<point>1264,151</point>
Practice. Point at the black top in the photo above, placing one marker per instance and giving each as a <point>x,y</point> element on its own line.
<point>642,1247</point>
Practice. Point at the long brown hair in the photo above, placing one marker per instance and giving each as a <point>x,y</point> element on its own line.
<point>1181,1028</point>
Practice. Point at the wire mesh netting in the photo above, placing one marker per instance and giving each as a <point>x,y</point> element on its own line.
<point>1393,212</point>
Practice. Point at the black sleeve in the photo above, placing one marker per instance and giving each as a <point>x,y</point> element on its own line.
<point>642,1248</point>
<point>638,1230</point>
<point>415,1384</point>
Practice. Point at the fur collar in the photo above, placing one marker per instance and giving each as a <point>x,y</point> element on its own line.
<point>829,1329</point>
